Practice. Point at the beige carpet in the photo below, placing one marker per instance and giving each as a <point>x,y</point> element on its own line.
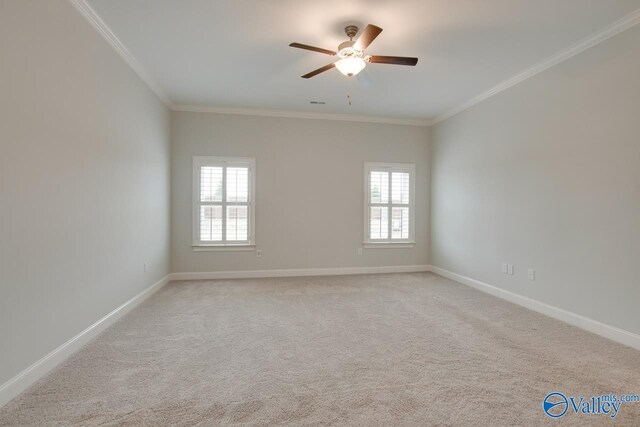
<point>398,349</point>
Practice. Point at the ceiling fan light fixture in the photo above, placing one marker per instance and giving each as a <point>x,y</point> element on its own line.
<point>350,66</point>
<point>351,53</point>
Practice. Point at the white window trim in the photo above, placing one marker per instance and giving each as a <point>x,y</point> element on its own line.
<point>390,243</point>
<point>200,161</point>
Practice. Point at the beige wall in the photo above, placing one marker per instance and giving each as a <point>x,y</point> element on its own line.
<point>309,189</point>
<point>547,175</point>
<point>544,175</point>
<point>84,180</point>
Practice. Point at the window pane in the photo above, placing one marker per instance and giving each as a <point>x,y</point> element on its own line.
<point>238,185</point>
<point>379,187</point>
<point>379,222</point>
<point>210,184</point>
<point>210,223</point>
<point>237,223</point>
<point>400,187</point>
<point>400,223</point>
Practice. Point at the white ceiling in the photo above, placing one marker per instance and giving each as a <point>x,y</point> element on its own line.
<point>235,53</point>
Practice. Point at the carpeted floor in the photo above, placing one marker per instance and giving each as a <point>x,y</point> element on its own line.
<point>396,349</point>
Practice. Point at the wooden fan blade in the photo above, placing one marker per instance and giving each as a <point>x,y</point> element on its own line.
<point>368,35</point>
<point>396,60</point>
<point>313,48</point>
<point>318,71</point>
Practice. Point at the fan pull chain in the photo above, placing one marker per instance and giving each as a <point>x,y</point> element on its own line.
<point>349,99</point>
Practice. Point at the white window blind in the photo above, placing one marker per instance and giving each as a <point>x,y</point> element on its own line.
<point>223,212</point>
<point>389,202</point>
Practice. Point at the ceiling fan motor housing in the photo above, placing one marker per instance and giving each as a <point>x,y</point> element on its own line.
<point>346,50</point>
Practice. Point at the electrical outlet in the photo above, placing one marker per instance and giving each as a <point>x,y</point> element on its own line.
<point>505,268</point>
<point>510,269</point>
<point>259,253</point>
<point>532,274</point>
<point>359,251</point>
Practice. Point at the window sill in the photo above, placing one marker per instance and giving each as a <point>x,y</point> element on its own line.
<point>389,245</point>
<point>223,248</point>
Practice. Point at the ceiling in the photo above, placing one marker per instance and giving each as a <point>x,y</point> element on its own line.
<point>235,54</point>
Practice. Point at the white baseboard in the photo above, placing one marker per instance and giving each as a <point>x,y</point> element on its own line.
<point>24,379</point>
<point>30,375</point>
<point>253,274</point>
<point>611,332</point>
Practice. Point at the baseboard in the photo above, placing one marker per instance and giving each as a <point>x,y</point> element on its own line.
<point>253,274</point>
<point>30,375</point>
<point>611,332</point>
<point>24,379</point>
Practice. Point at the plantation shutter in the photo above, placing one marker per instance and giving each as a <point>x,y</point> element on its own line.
<point>224,210</point>
<point>389,204</point>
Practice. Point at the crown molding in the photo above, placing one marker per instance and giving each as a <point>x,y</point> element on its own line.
<point>605,33</point>
<point>298,115</point>
<point>94,19</point>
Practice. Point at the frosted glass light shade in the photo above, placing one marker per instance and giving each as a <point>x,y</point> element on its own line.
<point>350,66</point>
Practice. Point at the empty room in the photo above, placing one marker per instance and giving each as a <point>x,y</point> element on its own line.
<point>319,212</point>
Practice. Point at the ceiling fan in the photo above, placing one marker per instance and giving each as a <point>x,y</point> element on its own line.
<point>351,53</point>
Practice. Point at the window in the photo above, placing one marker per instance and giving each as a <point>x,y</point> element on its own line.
<point>389,204</point>
<point>223,210</point>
